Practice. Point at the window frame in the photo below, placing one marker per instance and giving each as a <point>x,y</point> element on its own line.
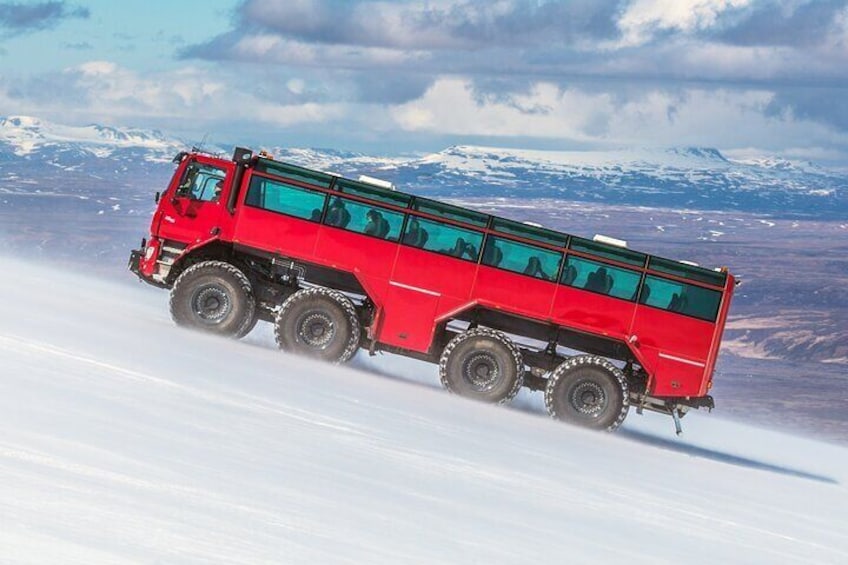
<point>289,186</point>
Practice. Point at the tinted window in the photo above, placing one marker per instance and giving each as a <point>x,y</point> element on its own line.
<point>450,212</point>
<point>202,182</point>
<point>294,172</point>
<point>601,278</point>
<point>621,254</point>
<point>530,232</point>
<point>522,258</point>
<point>364,218</point>
<point>681,297</point>
<point>284,198</point>
<point>443,238</point>
<point>687,271</point>
<point>374,193</point>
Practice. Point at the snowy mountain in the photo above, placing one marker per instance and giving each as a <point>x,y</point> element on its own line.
<point>696,178</point>
<point>25,135</point>
<point>127,440</point>
<point>692,177</point>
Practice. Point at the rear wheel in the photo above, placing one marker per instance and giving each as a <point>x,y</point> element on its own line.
<point>319,323</point>
<point>215,297</point>
<point>588,391</point>
<point>482,364</point>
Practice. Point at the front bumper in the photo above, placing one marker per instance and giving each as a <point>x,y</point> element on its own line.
<point>141,262</point>
<point>134,262</point>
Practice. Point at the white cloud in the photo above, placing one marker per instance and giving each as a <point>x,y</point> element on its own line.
<point>643,18</point>
<point>651,117</point>
<point>94,68</point>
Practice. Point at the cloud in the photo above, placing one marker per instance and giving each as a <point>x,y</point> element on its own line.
<point>16,17</point>
<point>185,98</point>
<point>668,116</point>
<point>800,23</point>
<point>725,73</point>
<point>439,24</point>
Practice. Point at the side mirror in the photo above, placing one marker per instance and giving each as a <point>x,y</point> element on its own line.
<point>157,197</point>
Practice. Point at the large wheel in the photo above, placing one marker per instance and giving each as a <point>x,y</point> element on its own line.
<point>588,391</point>
<point>215,297</point>
<point>319,323</point>
<point>482,364</point>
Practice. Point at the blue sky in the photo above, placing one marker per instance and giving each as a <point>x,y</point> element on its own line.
<point>750,77</point>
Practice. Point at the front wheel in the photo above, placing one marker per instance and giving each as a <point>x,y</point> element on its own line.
<point>215,297</point>
<point>588,391</point>
<point>482,364</point>
<point>319,323</point>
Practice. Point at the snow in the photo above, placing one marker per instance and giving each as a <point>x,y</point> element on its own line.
<point>128,440</point>
<point>26,134</point>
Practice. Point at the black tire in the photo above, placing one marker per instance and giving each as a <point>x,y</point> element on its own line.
<point>215,297</point>
<point>482,364</point>
<point>319,323</point>
<point>589,391</point>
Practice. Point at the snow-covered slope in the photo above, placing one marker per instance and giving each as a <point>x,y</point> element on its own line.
<point>126,440</point>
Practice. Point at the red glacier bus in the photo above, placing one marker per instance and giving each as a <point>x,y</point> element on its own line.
<point>337,264</point>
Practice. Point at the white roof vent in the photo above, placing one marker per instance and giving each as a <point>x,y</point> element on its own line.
<point>376,182</point>
<point>533,224</point>
<point>609,240</point>
<point>693,263</point>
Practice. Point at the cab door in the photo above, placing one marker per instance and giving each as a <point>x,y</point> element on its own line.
<point>193,206</point>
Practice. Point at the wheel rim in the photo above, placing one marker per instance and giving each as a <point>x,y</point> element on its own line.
<point>588,399</point>
<point>482,371</point>
<point>316,330</point>
<point>211,304</point>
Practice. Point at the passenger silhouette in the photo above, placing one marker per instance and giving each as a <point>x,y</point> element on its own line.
<point>415,234</point>
<point>534,268</point>
<point>337,214</point>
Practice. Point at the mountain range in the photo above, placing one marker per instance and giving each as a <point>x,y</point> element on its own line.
<point>680,177</point>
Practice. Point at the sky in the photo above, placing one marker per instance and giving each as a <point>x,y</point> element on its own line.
<point>749,77</point>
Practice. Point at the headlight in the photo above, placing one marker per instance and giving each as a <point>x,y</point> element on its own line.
<point>148,253</point>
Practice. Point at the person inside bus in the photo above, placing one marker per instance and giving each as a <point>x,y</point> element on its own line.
<point>678,302</point>
<point>599,281</point>
<point>534,268</point>
<point>216,193</point>
<point>415,234</point>
<point>316,215</point>
<point>376,225</point>
<point>569,275</point>
<point>492,254</point>
<point>337,214</point>
<point>461,249</point>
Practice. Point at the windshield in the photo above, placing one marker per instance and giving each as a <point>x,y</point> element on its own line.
<point>202,182</point>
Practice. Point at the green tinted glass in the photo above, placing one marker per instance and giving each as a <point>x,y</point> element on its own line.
<point>450,212</point>
<point>691,272</point>
<point>680,297</point>
<point>284,198</point>
<point>294,172</point>
<point>601,278</point>
<point>364,218</point>
<point>443,238</point>
<point>374,193</point>
<point>620,254</point>
<point>522,258</point>
<point>530,232</point>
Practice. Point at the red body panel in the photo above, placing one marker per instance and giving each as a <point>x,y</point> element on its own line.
<point>413,290</point>
<point>594,313</point>
<point>527,296</point>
